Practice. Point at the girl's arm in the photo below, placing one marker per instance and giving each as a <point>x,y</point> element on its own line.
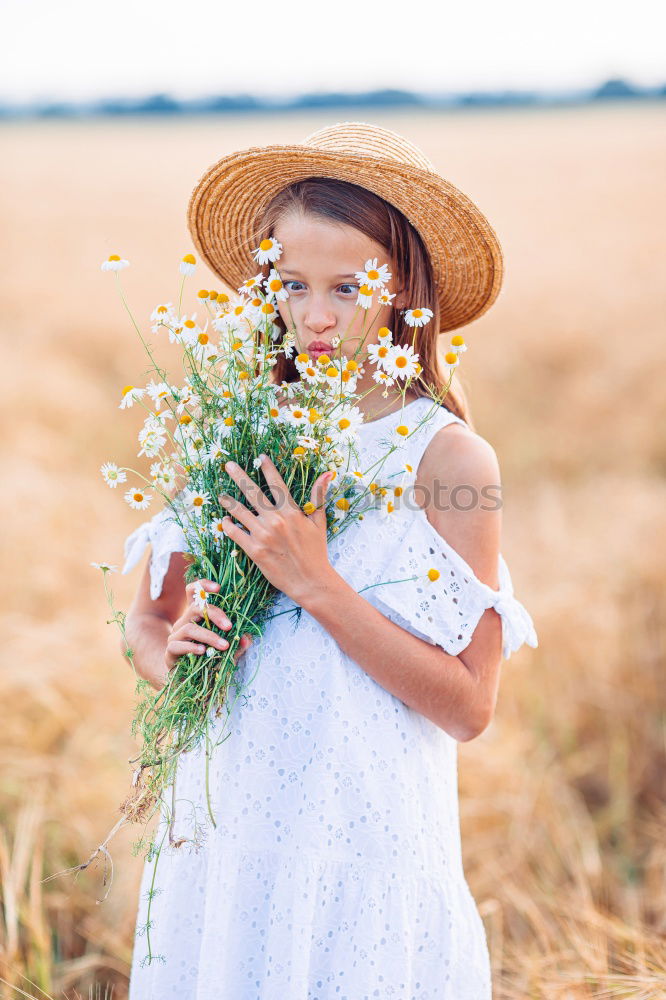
<point>160,630</point>
<point>458,693</point>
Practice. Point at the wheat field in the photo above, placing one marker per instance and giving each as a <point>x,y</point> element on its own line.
<point>563,797</point>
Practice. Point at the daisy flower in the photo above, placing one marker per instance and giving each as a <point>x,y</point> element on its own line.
<point>114,263</point>
<point>250,283</point>
<point>268,251</point>
<point>158,391</point>
<point>105,567</point>
<point>195,500</point>
<point>130,395</point>
<point>340,508</point>
<point>152,440</point>
<point>200,598</point>
<point>307,442</point>
<point>399,437</point>
<point>417,317</point>
<point>383,378</point>
<point>216,528</point>
<point>346,422</point>
<point>373,276</point>
<point>451,360</point>
<point>295,415</point>
<point>188,264</point>
<point>274,286</point>
<point>458,344</point>
<point>401,362</point>
<point>216,453</point>
<point>385,298</point>
<point>161,315</point>
<point>378,353</point>
<point>138,499</point>
<point>364,297</point>
<point>113,474</point>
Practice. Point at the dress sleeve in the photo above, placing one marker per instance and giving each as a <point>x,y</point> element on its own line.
<point>444,611</point>
<point>165,536</point>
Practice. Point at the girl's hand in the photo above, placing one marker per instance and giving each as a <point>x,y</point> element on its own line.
<point>188,637</point>
<point>288,545</point>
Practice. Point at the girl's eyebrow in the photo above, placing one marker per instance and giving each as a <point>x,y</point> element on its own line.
<point>297,273</point>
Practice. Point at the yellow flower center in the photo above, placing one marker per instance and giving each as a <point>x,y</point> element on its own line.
<point>400,361</point>
<point>275,285</point>
<point>299,450</point>
<point>332,372</point>
<point>189,324</point>
<point>197,502</point>
<point>138,497</point>
<point>314,415</point>
<point>383,331</point>
<point>417,313</point>
<point>212,295</point>
<point>114,256</point>
<point>266,244</point>
<point>373,275</point>
<point>297,414</point>
<point>382,352</point>
<point>343,423</point>
<point>223,297</point>
<point>309,507</point>
<point>229,421</point>
<point>237,344</point>
<point>189,258</point>
<point>365,290</point>
<point>202,293</point>
<point>185,419</point>
<point>274,412</point>
<point>457,341</point>
<point>243,375</point>
<point>450,357</point>
<point>402,429</point>
<point>323,359</point>
<point>433,574</point>
<point>397,491</point>
<point>342,503</point>
<point>203,338</point>
<point>303,357</point>
<point>267,308</point>
<point>128,388</point>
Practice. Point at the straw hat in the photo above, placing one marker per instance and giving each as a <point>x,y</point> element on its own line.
<point>464,250</point>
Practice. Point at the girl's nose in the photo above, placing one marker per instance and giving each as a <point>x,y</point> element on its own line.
<point>319,317</point>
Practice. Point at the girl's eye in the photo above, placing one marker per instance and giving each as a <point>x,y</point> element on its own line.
<point>292,281</point>
<point>349,286</point>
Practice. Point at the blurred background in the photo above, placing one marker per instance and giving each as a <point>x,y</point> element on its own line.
<point>553,122</point>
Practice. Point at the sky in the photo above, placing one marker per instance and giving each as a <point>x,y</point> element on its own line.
<point>80,49</point>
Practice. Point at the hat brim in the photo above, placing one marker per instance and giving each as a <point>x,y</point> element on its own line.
<point>230,196</point>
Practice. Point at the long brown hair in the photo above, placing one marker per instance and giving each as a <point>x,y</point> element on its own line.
<point>342,201</point>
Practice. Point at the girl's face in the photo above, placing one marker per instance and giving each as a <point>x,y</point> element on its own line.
<point>317,267</point>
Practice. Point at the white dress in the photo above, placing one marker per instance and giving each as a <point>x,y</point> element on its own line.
<point>335,868</point>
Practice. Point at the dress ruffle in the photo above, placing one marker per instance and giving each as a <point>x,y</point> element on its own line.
<point>447,610</point>
<point>165,536</point>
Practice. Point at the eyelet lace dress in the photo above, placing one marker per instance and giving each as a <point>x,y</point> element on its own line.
<point>335,868</point>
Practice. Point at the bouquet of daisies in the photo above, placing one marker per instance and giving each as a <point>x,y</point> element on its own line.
<point>228,407</point>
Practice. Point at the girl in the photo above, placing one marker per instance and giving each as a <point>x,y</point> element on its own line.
<point>335,868</point>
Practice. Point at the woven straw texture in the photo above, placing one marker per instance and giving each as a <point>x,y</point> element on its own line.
<point>464,249</point>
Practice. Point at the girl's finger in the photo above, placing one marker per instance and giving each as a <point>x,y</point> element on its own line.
<point>198,632</point>
<point>276,484</point>
<point>208,585</point>
<point>177,648</point>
